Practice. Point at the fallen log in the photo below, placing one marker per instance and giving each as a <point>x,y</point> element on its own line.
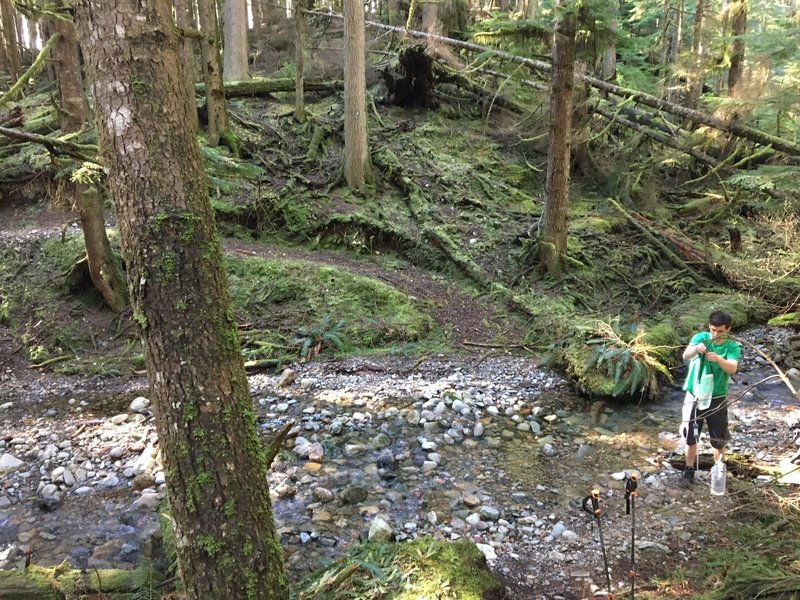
<point>674,258</point>
<point>657,136</point>
<point>61,582</point>
<point>696,116</point>
<point>265,87</point>
<point>56,147</point>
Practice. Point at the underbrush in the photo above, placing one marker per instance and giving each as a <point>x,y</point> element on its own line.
<point>423,568</point>
<point>757,555</point>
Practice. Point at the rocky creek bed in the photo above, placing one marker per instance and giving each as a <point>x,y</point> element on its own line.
<point>497,450</point>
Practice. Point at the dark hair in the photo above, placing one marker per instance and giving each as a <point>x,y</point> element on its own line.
<point>719,318</point>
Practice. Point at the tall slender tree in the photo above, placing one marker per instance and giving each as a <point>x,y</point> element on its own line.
<point>215,465</point>
<point>357,163</point>
<point>553,225</point>
<point>184,19</point>
<point>212,71</point>
<point>697,75</point>
<point>737,19</point>
<point>234,65</point>
<point>10,38</point>
<point>105,269</point>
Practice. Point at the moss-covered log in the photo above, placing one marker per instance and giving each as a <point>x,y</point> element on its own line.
<point>264,87</point>
<point>61,582</point>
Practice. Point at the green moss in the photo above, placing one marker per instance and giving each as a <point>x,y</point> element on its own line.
<point>208,544</point>
<point>189,411</point>
<point>274,293</point>
<point>140,319</point>
<point>785,320</point>
<point>168,261</point>
<point>230,507</point>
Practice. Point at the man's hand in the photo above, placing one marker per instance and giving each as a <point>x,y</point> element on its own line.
<point>701,348</point>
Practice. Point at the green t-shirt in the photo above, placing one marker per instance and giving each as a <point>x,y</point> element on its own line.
<point>728,350</point>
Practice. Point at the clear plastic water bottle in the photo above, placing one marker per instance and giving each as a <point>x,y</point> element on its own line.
<point>718,472</point>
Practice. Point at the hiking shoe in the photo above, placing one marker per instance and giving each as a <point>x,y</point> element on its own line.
<point>687,478</point>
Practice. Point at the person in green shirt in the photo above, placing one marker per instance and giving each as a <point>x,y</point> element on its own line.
<point>709,351</point>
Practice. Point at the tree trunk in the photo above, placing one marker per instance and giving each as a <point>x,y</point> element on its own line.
<point>75,109</point>
<point>357,164</point>
<point>665,29</point>
<point>258,15</point>
<point>553,226</point>
<point>105,270</point>
<point>10,38</point>
<point>234,66</point>
<point>299,62</point>
<point>183,20</point>
<point>533,9</point>
<point>215,465</point>
<point>674,86</point>
<point>608,68</point>
<point>697,77</point>
<point>209,51</point>
<point>737,12</point>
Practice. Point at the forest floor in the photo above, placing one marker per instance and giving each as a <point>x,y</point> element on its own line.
<point>509,473</point>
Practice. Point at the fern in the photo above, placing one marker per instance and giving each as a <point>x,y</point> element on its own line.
<point>322,335</point>
<point>144,579</point>
<point>622,355</point>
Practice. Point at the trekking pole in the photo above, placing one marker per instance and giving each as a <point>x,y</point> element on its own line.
<point>630,509</point>
<point>594,498</point>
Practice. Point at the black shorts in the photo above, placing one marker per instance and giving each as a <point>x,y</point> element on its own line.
<point>716,416</point>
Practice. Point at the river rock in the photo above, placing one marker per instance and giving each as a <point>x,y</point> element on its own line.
<point>380,530</point>
<point>140,404</point>
<point>9,463</point>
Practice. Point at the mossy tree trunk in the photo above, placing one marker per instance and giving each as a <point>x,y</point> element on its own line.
<point>104,267</point>
<point>214,462</point>
<point>553,226</point>
<point>357,164</point>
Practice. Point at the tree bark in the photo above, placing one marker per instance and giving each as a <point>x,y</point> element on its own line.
<point>212,76</point>
<point>553,226</point>
<point>674,87</point>
<point>10,38</point>
<point>608,67</point>
<point>357,164</point>
<point>183,20</point>
<point>299,62</point>
<point>75,109</point>
<point>234,66</point>
<point>105,270</point>
<point>697,77</point>
<point>214,462</point>
<point>737,14</point>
